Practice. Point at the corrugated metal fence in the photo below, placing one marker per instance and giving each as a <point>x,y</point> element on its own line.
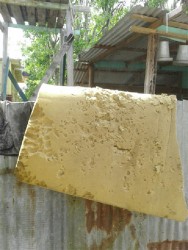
<point>32,218</point>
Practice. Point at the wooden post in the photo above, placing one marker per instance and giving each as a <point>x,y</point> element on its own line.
<point>70,62</point>
<point>151,65</point>
<point>4,60</point>
<point>91,75</point>
<point>62,66</point>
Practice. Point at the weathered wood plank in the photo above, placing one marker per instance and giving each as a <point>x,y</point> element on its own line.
<point>31,11</point>
<point>41,17</point>
<point>51,18</point>
<point>5,13</point>
<point>24,13</point>
<point>37,4</point>
<point>70,62</point>
<point>17,14</point>
<point>91,75</point>
<point>151,65</point>
<point>53,14</point>
<point>62,63</point>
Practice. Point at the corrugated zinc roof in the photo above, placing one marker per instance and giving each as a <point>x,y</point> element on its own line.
<point>121,30</point>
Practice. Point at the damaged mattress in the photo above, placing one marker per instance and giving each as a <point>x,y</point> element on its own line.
<point>114,147</point>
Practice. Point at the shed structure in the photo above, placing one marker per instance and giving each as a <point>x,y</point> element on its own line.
<point>41,15</point>
<point>34,218</point>
<point>125,58</point>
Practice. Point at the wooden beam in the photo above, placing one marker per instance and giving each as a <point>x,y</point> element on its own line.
<point>70,62</point>
<point>91,75</point>
<point>151,65</point>
<point>142,30</point>
<point>144,18</point>
<point>178,25</point>
<point>46,5</point>
<point>62,63</point>
<point>148,31</point>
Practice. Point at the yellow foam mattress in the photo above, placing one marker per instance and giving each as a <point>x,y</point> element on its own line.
<point>114,147</point>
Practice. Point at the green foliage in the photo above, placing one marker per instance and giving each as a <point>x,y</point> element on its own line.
<point>38,56</point>
<point>43,46</point>
<point>104,15</point>
<point>155,3</point>
<point>150,3</point>
<point>31,85</point>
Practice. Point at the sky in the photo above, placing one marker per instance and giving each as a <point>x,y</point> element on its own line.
<point>14,43</point>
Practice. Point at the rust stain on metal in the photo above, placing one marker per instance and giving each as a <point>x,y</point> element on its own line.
<point>168,245</point>
<point>107,218</point>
